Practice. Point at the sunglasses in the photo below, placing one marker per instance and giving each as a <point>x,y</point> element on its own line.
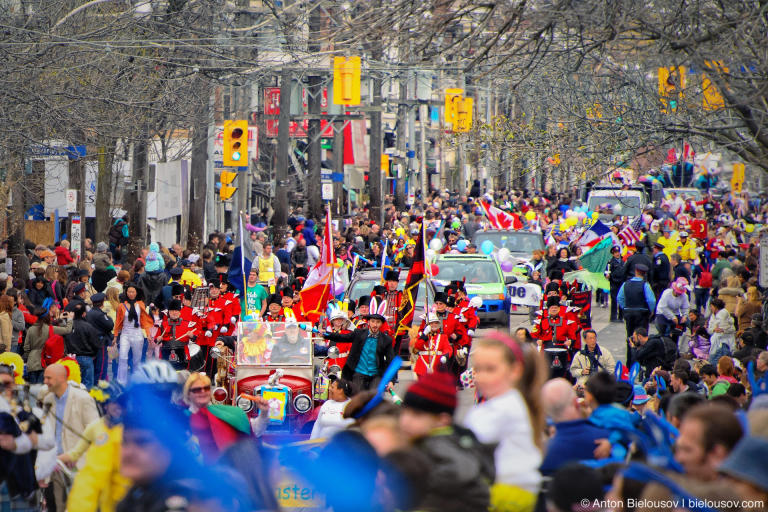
<point>201,389</point>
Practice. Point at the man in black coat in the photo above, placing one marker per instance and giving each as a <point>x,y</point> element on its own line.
<point>104,326</point>
<point>660,271</point>
<point>83,341</point>
<point>648,351</point>
<point>369,356</point>
<point>639,258</point>
<point>616,278</point>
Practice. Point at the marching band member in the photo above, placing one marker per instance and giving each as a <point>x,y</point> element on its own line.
<point>431,346</point>
<point>174,336</point>
<point>274,312</point>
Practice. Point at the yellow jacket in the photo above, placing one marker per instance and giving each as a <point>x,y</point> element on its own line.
<point>670,244</point>
<point>687,251</point>
<point>99,484</point>
<point>190,278</point>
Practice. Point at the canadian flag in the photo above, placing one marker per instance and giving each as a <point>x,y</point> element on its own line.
<point>500,219</point>
<point>321,284</point>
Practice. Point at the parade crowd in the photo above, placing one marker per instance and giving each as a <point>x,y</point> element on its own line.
<point>109,363</point>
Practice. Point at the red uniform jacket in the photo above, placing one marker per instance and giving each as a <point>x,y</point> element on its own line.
<point>429,351</point>
<point>268,317</point>
<point>567,328</point>
<point>210,322</point>
<point>180,330</point>
<point>343,349</point>
<point>229,305</point>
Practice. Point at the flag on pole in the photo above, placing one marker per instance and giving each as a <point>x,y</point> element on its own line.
<point>498,218</point>
<point>631,234</point>
<point>384,259</point>
<point>321,283</point>
<point>594,235</point>
<point>242,260</point>
<point>411,290</point>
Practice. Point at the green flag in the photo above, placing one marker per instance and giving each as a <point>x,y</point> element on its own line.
<point>596,259</point>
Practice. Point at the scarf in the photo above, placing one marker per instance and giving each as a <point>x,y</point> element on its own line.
<point>132,314</point>
<point>594,364</point>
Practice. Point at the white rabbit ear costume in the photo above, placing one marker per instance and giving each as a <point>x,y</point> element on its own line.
<point>377,310</point>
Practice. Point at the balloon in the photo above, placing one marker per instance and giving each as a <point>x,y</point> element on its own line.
<point>487,247</point>
<point>435,244</point>
<point>461,245</point>
<point>595,215</point>
<point>507,266</point>
<point>503,254</point>
<point>581,215</point>
<point>530,215</point>
<point>647,219</point>
<point>456,224</point>
<point>749,228</point>
<point>569,214</point>
<point>431,254</point>
<point>434,269</point>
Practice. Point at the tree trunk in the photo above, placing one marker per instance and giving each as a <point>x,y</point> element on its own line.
<point>198,191</point>
<point>17,236</point>
<point>104,186</point>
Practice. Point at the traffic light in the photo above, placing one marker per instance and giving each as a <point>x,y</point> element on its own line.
<point>227,190</point>
<point>235,143</point>
<point>464,115</point>
<point>452,99</point>
<point>385,164</point>
<point>712,98</point>
<point>346,80</point>
<point>671,85</point>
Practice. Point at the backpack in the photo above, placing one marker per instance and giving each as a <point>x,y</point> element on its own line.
<point>53,350</point>
<point>670,353</point>
<point>705,279</point>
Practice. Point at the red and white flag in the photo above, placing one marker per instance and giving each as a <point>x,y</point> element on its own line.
<point>320,285</point>
<point>498,218</point>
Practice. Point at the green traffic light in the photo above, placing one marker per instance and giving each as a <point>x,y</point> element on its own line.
<point>673,104</point>
<point>235,155</point>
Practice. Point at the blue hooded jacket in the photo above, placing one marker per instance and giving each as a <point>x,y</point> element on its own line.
<point>309,232</point>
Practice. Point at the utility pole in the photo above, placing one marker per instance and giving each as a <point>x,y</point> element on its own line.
<point>374,171</point>
<point>423,115</point>
<point>198,186</point>
<point>136,203</point>
<point>402,113</point>
<point>280,217</point>
<point>314,150</point>
<point>16,231</point>
<point>77,182</point>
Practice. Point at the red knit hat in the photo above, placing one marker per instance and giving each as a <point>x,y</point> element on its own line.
<point>434,393</point>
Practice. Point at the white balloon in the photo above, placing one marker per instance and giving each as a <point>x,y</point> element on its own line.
<point>431,254</point>
<point>436,244</point>
<point>504,253</point>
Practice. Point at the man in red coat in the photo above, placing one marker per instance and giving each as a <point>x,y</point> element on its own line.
<point>556,332</point>
<point>228,304</point>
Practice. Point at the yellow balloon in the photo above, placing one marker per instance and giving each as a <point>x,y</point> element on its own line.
<point>530,215</point>
<point>595,215</point>
<point>749,228</point>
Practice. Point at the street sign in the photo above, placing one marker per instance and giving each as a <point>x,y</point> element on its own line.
<point>764,260</point>
<point>71,200</point>
<point>327,191</point>
<point>76,234</point>
<point>296,128</point>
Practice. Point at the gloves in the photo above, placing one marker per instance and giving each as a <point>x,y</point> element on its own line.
<point>233,320</point>
<point>426,330</point>
<point>471,332</point>
<point>208,334</point>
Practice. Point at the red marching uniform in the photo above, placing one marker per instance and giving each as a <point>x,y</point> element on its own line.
<point>229,306</point>
<point>174,336</point>
<point>343,349</point>
<point>430,348</point>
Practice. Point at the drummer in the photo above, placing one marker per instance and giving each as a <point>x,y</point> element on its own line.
<point>556,330</point>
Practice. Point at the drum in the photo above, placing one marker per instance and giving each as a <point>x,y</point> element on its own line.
<point>558,361</point>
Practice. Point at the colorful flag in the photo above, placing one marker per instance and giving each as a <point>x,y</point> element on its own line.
<point>320,285</point>
<point>499,219</point>
<point>631,234</point>
<point>411,291</point>
<point>594,235</point>
<point>242,259</point>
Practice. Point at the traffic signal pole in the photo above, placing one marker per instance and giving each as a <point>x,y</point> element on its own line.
<point>374,175</point>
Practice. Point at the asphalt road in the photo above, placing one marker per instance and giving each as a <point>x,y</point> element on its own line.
<point>611,336</point>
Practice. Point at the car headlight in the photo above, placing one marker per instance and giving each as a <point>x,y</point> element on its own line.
<point>302,403</point>
<point>334,369</point>
<point>245,404</point>
<point>220,395</point>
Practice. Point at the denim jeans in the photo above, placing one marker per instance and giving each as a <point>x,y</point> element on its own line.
<point>86,370</point>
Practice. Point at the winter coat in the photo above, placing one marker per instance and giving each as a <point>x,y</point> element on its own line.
<point>145,321</point>
<point>151,284</point>
<point>63,256</point>
<point>581,362</point>
<point>309,232</point>
<point>299,256</point>
<point>101,261</point>
<point>460,472</point>
<point>83,340</point>
<point>100,278</point>
<point>384,350</point>
<point>37,297</point>
<point>6,329</point>
<point>744,311</point>
<point>731,293</point>
<point>699,346</point>
<point>79,412</point>
<point>37,335</point>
